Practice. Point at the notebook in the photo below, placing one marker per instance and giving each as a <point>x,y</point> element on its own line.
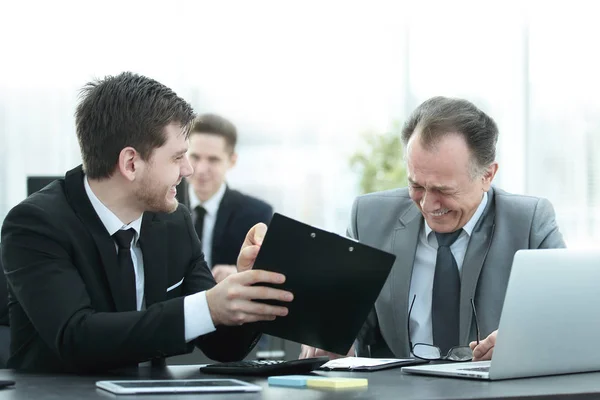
<point>549,318</point>
<point>368,364</point>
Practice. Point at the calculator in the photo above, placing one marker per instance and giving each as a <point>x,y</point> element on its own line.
<point>265,367</point>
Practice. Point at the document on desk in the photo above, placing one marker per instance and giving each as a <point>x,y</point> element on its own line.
<point>335,281</point>
<point>368,364</point>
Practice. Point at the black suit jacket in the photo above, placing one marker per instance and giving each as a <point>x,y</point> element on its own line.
<point>65,309</point>
<point>4,329</point>
<point>237,214</point>
<point>3,295</point>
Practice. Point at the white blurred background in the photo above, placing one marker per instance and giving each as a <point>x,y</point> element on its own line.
<point>303,79</point>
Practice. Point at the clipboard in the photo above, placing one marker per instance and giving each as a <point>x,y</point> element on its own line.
<point>335,281</point>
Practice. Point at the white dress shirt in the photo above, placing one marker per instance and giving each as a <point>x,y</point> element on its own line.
<point>210,218</point>
<point>196,313</point>
<point>421,283</point>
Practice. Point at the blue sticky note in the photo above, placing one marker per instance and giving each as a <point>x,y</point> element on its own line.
<point>290,380</point>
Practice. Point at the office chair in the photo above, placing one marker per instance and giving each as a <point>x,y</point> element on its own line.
<point>35,183</point>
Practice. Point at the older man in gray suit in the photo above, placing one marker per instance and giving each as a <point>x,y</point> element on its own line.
<point>454,236</point>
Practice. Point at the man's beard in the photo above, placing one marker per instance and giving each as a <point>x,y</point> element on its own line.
<point>153,196</point>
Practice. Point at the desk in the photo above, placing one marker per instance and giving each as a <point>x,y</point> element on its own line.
<point>387,384</point>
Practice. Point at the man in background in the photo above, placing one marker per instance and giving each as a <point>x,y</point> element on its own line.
<point>222,216</point>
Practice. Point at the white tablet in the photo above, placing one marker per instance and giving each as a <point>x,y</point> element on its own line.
<point>177,386</point>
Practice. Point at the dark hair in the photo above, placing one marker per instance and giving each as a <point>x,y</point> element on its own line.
<point>440,116</point>
<point>216,125</point>
<point>125,110</point>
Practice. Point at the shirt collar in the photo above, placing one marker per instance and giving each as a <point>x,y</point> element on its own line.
<point>211,205</point>
<point>111,222</point>
<point>469,226</point>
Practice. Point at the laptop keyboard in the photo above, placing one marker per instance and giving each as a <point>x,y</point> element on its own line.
<point>478,369</point>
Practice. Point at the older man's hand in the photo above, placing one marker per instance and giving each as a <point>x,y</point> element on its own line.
<point>310,352</point>
<point>485,349</point>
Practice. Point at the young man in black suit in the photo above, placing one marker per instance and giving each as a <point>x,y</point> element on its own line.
<point>104,267</point>
<point>222,216</point>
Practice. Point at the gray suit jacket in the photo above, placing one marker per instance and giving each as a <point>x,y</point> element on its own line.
<point>390,221</point>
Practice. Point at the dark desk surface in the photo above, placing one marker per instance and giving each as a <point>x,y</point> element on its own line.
<point>387,384</point>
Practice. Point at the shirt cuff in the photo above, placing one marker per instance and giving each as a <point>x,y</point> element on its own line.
<point>197,317</point>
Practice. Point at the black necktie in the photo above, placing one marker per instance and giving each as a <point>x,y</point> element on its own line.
<point>128,287</point>
<point>199,224</point>
<point>446,294</point>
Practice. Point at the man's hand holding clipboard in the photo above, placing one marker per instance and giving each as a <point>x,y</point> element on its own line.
<point>231,302</point>
<point>335,281</point>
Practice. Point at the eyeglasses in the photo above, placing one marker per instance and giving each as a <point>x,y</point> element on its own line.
<point>430,352</point>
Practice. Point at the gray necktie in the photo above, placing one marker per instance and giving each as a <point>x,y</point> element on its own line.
<point>446,294</point>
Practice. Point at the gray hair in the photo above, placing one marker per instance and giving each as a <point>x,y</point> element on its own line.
<point>440,116</point>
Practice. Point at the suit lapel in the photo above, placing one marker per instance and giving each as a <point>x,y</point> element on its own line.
<point>479,245</point>
<point>404,247</point>
<point>80,202</point>
<point>153,244</point>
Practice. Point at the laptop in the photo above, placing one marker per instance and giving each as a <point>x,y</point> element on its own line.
<point>549,323</point>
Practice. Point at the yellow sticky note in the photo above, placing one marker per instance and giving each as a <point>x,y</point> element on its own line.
<point>337,383</point>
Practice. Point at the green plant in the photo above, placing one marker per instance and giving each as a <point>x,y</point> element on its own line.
<point>380,162</point>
